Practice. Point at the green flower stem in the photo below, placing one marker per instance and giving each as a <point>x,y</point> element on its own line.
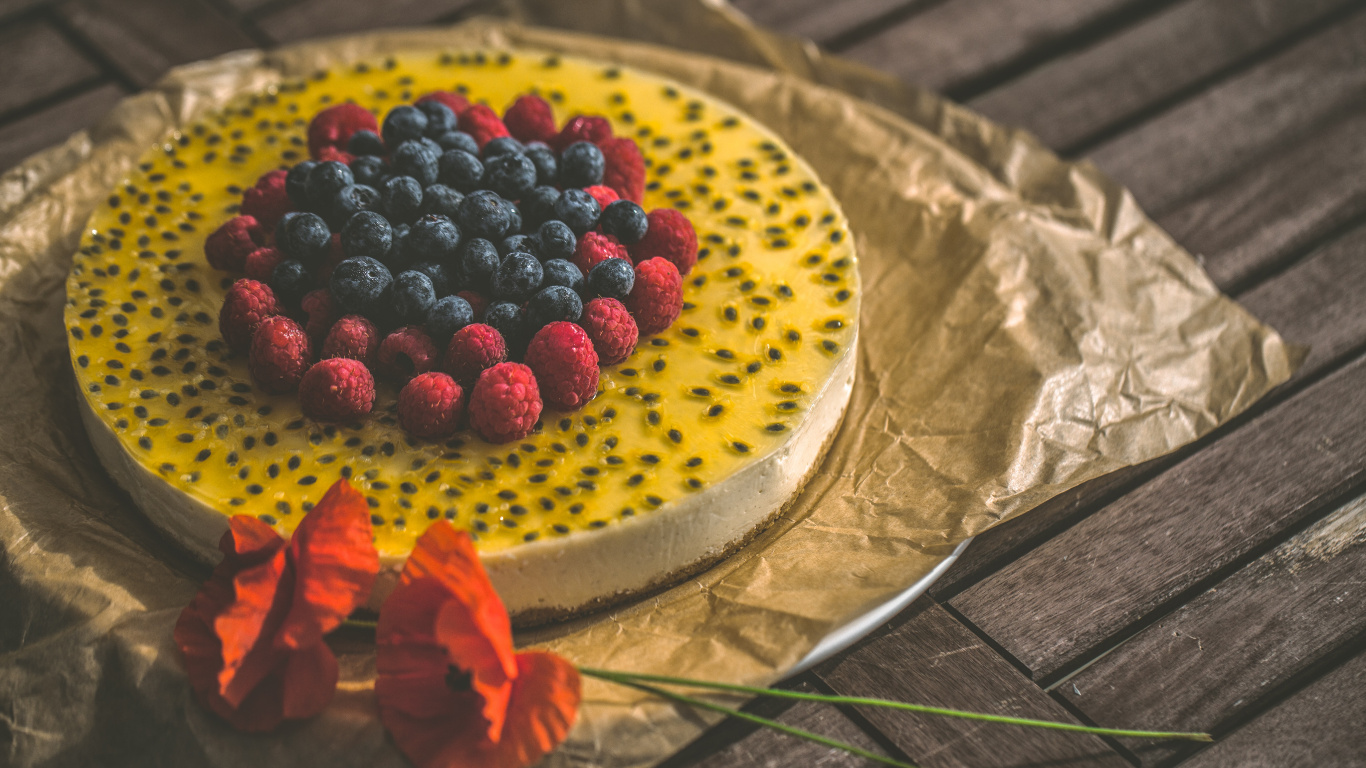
<point>351,621</point>
<point>741,715</point>
<point>628,678</point>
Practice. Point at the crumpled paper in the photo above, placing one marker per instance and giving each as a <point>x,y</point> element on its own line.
<point>1025,328</point>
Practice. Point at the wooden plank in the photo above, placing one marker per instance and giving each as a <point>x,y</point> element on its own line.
<point>38,62</point>
<point>318,18</point>
<point>27,135</point>
<point>1241,121</point>
<point>931,658</point>
<point>1081,94</point>
<point>1070,595</point>
<point>822,20</point>
<point>144,38</point>
<point>1222,652</point>
<point>735,743</point>
<point>954,42</point>
<point>1317,302</point>
<point>1320,726</point>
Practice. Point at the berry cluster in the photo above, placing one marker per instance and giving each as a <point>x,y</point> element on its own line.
<point>486,265</point>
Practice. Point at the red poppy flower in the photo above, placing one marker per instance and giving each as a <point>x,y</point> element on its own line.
<point>252,636</point>
<point>451,690</point>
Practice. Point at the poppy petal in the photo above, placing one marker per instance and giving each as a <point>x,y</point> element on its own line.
<point>259,555</point>
<point>463,630</point>
<point>426,740</point>
<point>335,562</point>
<point>310,679</point>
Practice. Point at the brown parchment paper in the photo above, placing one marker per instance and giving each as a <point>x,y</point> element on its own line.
<point>1025,328</point>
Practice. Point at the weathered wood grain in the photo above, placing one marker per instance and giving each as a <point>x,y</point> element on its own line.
<point>1223,651</point>
<point>1242,121</point>
<point>1079,589</point>
<point>957,41</point>
<point>144,38</point>
<point>1079,95</point>
<point>37,61</point>
<point>1319,726</point>
<point>318,18</point>
<point>23,137</point>
<point>822,20</point>
<point>933,659</point>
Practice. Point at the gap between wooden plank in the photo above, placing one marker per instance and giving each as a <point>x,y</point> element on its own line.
<point>833,25</point>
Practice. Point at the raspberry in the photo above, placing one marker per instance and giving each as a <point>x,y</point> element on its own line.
<point>590,128</point>
<point>471,350</point>
<point>670,236</point>
<point>455,101</point>
<point>430,406</point>
<point>530,119</point>
<point>594,248</point>
<point>279,355</point>
<point>333,154</point>
<point>246,304</point>
<point>321,312</point>
<point>482,123</point>
<point>333,127</point>
<point>338,389</point>
<point>477,302</point>
<point>624,168</point>
<point>657,297</point>
<point>406,353</point>
<point>505,403</point>
<point>268,200</point>
<point>566,366</point>
<point>611,328</point>
<point>352,337</point>
<point>261,263</point>
<point>604,195</point>
<point>228,246</point>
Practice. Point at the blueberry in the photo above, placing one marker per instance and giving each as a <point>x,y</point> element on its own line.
<point>413,158</point>
<point>290,281</point>
<point>511,175</point>
<point>502,145</point>
<point>578,209</point>
<point>305,237</point>
<point>547,165</point>
<point>402,124</point>
<point>506,318</point>
<point>482,214</point>
<point>613,279</point>
<point>433,238</point>
<point>517,277</point>
<point>518,244</point>
<point>557,241</point>
<point>352,199</point>
<point>365,143</point>
<point>538,205</point>
<point>402,198</point>
<point>441,199</point>
<point>552,303</point>
<point>439,274</point>
<point>412,297</point>
<point>458,140</point>
<point>325,180</point>
<point>296,182</point>
<point>514,217</point>
<point>448,315</point>
<point>440,118</point>
<point>625,221</point>
<point>369,170</point>
<point>581,165</point>
<point>478,262</point>
<point>367,234</point>
<point>357,284</point>
<point>561,272</point>
<point>461,170</point>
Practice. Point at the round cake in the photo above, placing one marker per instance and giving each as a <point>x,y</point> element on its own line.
<point>691,445</point>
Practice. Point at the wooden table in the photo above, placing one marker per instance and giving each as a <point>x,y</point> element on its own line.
<point>1221,588</point>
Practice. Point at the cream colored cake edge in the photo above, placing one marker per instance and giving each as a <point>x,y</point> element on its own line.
<point>584,570</point>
